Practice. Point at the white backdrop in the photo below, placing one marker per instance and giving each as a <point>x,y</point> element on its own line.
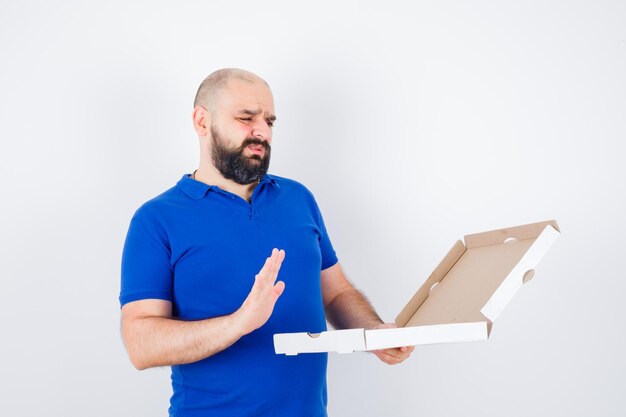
<point>413,123</point>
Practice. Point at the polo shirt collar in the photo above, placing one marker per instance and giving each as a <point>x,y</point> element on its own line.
<point>196,189</point>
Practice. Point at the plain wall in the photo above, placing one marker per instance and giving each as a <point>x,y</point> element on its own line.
<point>413,123</point>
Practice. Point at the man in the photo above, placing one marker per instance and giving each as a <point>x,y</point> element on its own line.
<point>199,292</point>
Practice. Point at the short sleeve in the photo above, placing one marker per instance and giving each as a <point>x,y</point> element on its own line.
<point>329,257</point>
<point>146,267</point>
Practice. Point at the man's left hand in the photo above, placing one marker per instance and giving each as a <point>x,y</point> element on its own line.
<point>392,356</point>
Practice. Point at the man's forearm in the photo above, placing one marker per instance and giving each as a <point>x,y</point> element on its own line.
<point>153,338</point>
<point>160,341</point>
<point>350,309</point>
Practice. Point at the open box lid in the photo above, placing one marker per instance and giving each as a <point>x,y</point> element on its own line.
<point>476,280</point>
<point>458,302</point>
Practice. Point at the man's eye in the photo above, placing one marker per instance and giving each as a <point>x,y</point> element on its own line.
<point>246,119</point>
<point>270,123</point>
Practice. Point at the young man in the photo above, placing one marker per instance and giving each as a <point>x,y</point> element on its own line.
<point>199,292</point>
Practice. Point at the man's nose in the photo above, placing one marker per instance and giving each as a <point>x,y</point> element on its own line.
<point>262,131</point>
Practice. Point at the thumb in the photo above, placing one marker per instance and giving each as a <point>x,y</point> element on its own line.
<point>279,288</point>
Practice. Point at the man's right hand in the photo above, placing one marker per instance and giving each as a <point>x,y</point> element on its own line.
<point>258,306</point>
<point>154,338</point>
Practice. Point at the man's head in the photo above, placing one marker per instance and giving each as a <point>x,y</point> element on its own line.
<point>233,116</point>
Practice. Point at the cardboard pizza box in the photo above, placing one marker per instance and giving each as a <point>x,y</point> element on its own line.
<point>460,300</point>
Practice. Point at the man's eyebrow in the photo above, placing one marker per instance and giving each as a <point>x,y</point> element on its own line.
<point>255,112</point>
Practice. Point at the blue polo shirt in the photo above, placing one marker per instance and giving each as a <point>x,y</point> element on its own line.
<point>200,247</point>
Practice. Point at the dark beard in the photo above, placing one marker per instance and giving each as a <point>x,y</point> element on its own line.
<point>233,165</point>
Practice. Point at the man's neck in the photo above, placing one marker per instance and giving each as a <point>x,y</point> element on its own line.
<point>211,176</point>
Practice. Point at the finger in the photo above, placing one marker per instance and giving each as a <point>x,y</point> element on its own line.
<point>259,282</point>
<point>258,287</point>
<point>269,271</point>
<point>386,353</point>
<point>279,256</point>
<point>393,352</point>
<point>269,265</point>
<point>388,359</point>
<point>399,354</point>
<point>402,355</point>
<point>278,289</point>
<point>274,268</point>
<point>266,267</point>
<point>394,360</point>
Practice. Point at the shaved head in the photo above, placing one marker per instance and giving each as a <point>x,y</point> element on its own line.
<point>212,85</point>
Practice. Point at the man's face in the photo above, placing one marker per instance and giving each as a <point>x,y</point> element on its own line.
<point>241,131</point>
<point>235,164</point>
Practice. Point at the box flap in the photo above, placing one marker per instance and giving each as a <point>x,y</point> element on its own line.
<point>523,270</point>
<point>437,275</point>
<point>489,270</point>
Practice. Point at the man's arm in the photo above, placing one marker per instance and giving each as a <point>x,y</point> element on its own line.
<point>154,338</point>
<point>346,307</point>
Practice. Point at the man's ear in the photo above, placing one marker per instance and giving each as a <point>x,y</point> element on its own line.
<point>201,120</point>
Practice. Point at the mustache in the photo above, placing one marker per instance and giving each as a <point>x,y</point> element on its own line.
<point>255,141</point>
